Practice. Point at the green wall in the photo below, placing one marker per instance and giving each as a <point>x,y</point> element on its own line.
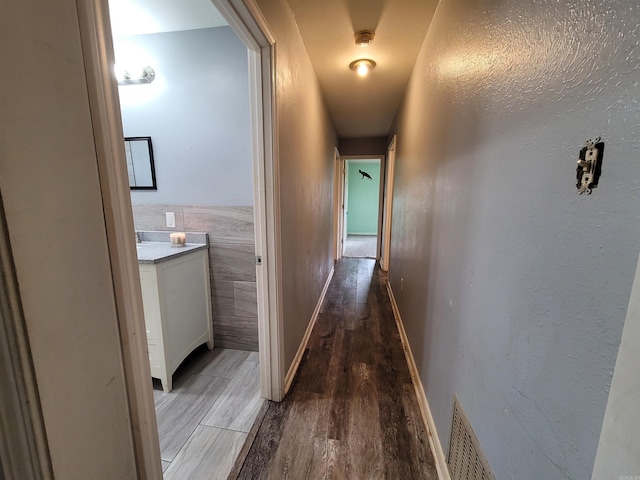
<point>363,200</point>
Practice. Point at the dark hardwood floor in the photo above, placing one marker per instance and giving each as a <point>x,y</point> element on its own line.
<point>351,412</point>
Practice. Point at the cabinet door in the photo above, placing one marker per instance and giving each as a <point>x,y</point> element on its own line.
<point>184,298</point>
<point>150,303</point>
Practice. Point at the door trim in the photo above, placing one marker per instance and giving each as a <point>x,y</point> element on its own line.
<point>97,46</point>
<point>24,451</point>
<point>381,159</point>
<point>338,205</point>
<point>388,205</point>
<point>248,22</point>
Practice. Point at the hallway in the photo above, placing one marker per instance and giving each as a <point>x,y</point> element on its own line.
<point>352,411</point>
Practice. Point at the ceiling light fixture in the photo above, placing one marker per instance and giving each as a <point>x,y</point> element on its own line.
<point>364,38</point>
<point>362,66</point>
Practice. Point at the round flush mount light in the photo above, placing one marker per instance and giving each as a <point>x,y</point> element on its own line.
<point>364,38</point>
<point>362,66</point>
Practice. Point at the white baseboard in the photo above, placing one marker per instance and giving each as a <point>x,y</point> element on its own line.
<point>291,373</point>
<point>427,418</point>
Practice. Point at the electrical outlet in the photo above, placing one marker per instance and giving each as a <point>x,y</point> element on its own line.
<point>171,219</point>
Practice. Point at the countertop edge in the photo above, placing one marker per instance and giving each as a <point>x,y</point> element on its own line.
<point>164,252</point>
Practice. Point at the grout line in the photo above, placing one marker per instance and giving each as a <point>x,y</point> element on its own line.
<point>181,446</point>
<point>235,375</point>
<point>248,443</point>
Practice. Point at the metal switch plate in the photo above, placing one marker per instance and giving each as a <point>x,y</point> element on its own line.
<point>589,165</point>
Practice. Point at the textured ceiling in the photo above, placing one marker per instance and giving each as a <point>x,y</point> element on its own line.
<point>363,107</point>
<point>360,107</point>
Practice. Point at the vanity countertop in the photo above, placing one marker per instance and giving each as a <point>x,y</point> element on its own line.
<point>156,252</point>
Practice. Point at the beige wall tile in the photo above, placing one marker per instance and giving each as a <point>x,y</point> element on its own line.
<point>245,299</point>
<point>235,332</point>
<point>152,217</point>
<point>233,262</point>
<point>224,224</point>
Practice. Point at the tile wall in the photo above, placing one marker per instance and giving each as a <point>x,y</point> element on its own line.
<point>231,263</point>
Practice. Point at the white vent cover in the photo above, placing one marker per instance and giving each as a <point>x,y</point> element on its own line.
<point>466,460</point>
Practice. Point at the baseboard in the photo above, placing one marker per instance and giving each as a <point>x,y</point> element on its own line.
<point>291,373</point>
<point>427,418</point>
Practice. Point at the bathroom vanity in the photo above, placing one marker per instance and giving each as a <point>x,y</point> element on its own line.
<point>177,303</point>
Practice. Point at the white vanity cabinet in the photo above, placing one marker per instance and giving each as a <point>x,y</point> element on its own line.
<point>177,309</point>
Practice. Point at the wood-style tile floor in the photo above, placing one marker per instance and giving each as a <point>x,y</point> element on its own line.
<point>352,412</point>
<point>204,421</point>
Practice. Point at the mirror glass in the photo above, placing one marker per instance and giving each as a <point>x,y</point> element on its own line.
<point>140,166</point>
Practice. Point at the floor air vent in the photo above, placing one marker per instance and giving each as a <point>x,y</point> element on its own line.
<point>466,460</point>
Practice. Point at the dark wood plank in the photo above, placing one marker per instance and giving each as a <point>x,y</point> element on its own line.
<point>256,462</point>
<point>351,412</point>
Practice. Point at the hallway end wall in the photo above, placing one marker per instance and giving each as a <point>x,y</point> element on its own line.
<point>515,287</point>
<point>306,142</point>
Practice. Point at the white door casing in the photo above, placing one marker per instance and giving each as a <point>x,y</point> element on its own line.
<point>337,205</point>
<point>345,204</point>
<point>23,445</point>
<point>346,160</point>
<point>388,205</point>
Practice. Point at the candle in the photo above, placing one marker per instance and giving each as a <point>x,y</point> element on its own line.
<point>178,239</point>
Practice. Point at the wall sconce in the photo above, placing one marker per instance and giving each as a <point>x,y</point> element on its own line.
<point>137,76</point>
<point>362,66</point>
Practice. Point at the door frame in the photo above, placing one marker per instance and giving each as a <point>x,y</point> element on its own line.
<point>344,159</point>
<point>338,205</point>
<point>390,171</point>
<point>24,451</point>
<point>248,22</point>
<point>250,25</point>
<point>345,205</point>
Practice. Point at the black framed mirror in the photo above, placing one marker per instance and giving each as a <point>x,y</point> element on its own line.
<point>140,166</point>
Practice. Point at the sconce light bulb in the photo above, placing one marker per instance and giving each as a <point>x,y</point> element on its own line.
<point>363,69</point>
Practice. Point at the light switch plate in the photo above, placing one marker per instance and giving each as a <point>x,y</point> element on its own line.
<point>171,219</point>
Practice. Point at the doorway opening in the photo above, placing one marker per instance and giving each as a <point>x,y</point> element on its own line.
<point>247,22</point>
<point>362,191</point>
<point>195,115</point>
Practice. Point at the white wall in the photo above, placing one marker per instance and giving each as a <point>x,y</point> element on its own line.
<point>516,288</point>
<point>306,142</point>
<point>49,182</point>
<point>196,112</point>
<point>619,446</point>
